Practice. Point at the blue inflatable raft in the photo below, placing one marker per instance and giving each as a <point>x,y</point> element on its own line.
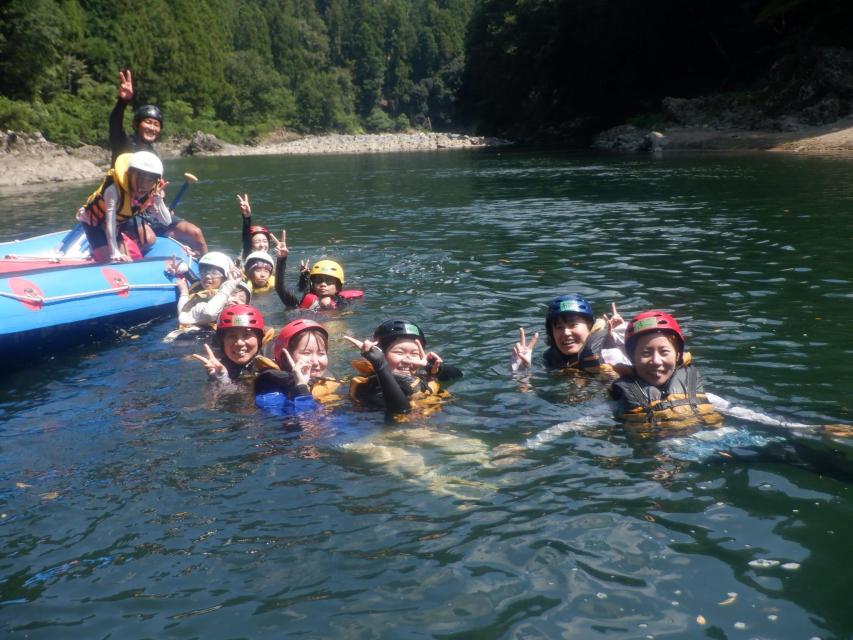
<point>53,295</point>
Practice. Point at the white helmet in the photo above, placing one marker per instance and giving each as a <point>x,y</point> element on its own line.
<point>147,162</point>
<point>216,259</point>
<point>259,256</point>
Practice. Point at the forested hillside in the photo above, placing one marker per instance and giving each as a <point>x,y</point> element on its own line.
<point>234,68</point>
<point>539,66</point>
<point>242,68</point>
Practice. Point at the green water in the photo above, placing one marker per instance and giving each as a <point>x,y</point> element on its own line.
<point>136,501</point>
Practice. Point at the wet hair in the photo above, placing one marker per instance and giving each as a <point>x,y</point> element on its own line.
<point>564,317</point>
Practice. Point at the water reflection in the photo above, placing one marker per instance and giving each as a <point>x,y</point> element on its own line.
<point>135,497</point>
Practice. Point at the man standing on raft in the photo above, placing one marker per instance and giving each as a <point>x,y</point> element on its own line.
<point>147,124</point>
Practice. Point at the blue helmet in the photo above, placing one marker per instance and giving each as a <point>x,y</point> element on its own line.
<point>568,304</point>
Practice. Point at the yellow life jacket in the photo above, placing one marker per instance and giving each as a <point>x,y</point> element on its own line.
<point>95,205</point>
<point>197,295</point>
<point>270,286</point>
<point>680,405</point>
<point>425,395</point>
<point>325,390</point>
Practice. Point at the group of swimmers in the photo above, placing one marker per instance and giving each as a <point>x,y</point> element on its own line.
<point>644,362</point>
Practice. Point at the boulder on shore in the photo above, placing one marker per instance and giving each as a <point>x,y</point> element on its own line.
<point>627,137</point>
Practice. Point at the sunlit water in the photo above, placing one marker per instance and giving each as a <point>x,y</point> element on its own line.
<point>137,502</point>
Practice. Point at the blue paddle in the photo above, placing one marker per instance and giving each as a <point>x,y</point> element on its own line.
<point>188,180</point>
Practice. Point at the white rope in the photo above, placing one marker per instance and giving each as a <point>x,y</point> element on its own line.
<point>84,294</point>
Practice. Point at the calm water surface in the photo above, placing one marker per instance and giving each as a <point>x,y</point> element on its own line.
<point>137,502</point>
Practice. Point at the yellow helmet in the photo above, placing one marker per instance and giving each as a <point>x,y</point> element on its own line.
<point>328,268</point>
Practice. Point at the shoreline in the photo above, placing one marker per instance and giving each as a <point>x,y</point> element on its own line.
<point>28,159</point>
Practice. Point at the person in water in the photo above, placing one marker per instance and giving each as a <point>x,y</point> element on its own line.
<point>323,282</point>
<point>113,212</point>
<point>576,340</point>
<point>240,334</point>
<point>255,237</point>
<point>147,127</point>
<point>301,352</point>
<point>398,372</point>
<point>661,394</point>
<point>201,305</point>
<point>258,270</point>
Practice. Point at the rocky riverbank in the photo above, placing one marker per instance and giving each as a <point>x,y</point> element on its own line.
<point>835,138</point>
<point>30,159</point>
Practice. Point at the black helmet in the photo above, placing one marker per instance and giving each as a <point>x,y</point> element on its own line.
<point>391,330</point>
<point>147,111</point>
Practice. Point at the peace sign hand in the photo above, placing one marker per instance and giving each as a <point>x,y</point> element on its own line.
<point>614,319</point>
<point>281,248</point>
<point>301,369</point>
<point>245,207</point>
<point>362,345</point>
<point>522,352</point>
<point>304,266</point>
<point>211,363</point>
<point>125,85</point>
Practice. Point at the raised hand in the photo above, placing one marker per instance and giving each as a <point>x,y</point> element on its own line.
<point>245,207</point>
<point>614,319</point>
<point>235,273</point>
<point>304,266</point>
<point>433,363</point>
<point>301,369</point>
<point>522,352</point>
<point>125,85</point>
<point>281,248</point>
<point>362,345</point>
<point>211,363</point>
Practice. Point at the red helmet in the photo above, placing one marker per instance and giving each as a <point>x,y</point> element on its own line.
<point>290,331</point>
<point>240,315</point>
<point>256,228</point>
<point>647,322</point>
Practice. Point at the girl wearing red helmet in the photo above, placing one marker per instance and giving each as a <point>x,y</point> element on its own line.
<point>662,393</point>
<point>302,378</point>
<point>240,333</point>
<point>398,372</point>
<point>255,237</point>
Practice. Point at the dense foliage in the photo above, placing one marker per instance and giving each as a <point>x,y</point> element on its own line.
<point>539,65</point>
<point>242,68</point>
<point>234,68</point>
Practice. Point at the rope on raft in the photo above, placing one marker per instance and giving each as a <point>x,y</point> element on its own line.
<point>84,294</point>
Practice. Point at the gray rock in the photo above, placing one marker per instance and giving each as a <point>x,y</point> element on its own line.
<point>627,137</point>
<point>203,143</point>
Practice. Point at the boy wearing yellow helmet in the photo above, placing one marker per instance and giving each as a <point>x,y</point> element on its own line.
<point>321,284</point>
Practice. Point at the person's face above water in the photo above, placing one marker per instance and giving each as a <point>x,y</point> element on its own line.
<point>569,334</point>
<point>240,344</point>
<point>655,358</point>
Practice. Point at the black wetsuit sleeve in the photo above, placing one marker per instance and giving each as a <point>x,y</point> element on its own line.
<point>288,297</point>
<point>119,142</point>
<point>340,302</point>
<point>272,380</point>
<point>448,372</point>
<point>396,400</point>
<point>247,237</point>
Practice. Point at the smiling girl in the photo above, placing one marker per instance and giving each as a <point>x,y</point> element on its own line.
<point>398,372</point>
<point>239,337</point>
<point>302,355</point>
<point>576,340</point>
<point>662,393</point>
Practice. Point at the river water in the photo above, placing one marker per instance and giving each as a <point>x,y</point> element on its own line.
<point>137,502</point>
